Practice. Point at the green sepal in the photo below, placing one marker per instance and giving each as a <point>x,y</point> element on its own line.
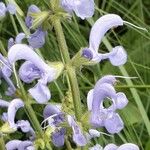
<point>6,129</point>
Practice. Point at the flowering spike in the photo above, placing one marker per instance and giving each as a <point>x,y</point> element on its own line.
<point>12,109</point>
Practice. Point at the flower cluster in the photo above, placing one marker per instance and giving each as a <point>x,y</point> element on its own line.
<point>59,125</point>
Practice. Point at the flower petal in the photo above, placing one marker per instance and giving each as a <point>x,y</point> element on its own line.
<point>101,26</point>
<point>111,147</point>
<point>11,8</point>
<point>11,145</point>
<point>94,133</point>
<point>90,99</point>
<point>24,144</point>
<point>37,39</point>
<point>28,72</point>
<point>12,109</point>
<point>4,103</point>
<point>40,92</point>
<point>84,11</point>
<point>96,147</point>
<point>128,146</point>
<point>67,5</point>
<point>118,56</point>
<point>114,124</point>
<point>19,38</point>
<point>58,138</point>
<point>2,10</point>
<point>121,100</point>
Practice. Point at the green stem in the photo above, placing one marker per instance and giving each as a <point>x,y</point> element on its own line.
<point>2,143</point>
<point>70,70</point>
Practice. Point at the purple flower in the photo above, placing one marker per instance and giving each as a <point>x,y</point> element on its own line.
<point>118,55</point>
<point>40,91</point>
<point>78,136</point>
<point>106,117</point>
<point>29,19</point>
<point>4,103</point>
<point>37,39</point>
<point>20,145</point>
<point>12,109</point>
<point>111,147</point>
<point>2,10</point>
<point>81,10</point>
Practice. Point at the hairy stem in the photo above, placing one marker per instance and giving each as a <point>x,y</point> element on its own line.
<point>70,70</point>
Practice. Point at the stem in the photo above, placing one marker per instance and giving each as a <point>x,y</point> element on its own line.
<point>70,70</point>
<point>2,143</point>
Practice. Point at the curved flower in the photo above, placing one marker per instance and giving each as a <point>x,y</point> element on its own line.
<point>2,10</point>
<point>81,10</point>
<point>37,39</point>
<point>40,92</point>
<point>101,116</point>
<point>118,55</point>
<point>12,109</point>
<point>78,136</point>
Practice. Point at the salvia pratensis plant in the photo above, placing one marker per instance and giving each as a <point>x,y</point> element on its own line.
<point>29,76</point>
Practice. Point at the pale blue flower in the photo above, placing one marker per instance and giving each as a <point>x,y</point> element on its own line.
<point>118,55</point>
<point>78,6</point>
<point>40,91</point>
<point>106,117</point>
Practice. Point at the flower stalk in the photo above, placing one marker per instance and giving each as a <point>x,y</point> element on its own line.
<point>70,69</point>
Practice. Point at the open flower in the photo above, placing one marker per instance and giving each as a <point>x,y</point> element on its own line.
<point>101,116</point>
<point>40,91</point>
<point>78,6</point>
<point>118,55</point>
